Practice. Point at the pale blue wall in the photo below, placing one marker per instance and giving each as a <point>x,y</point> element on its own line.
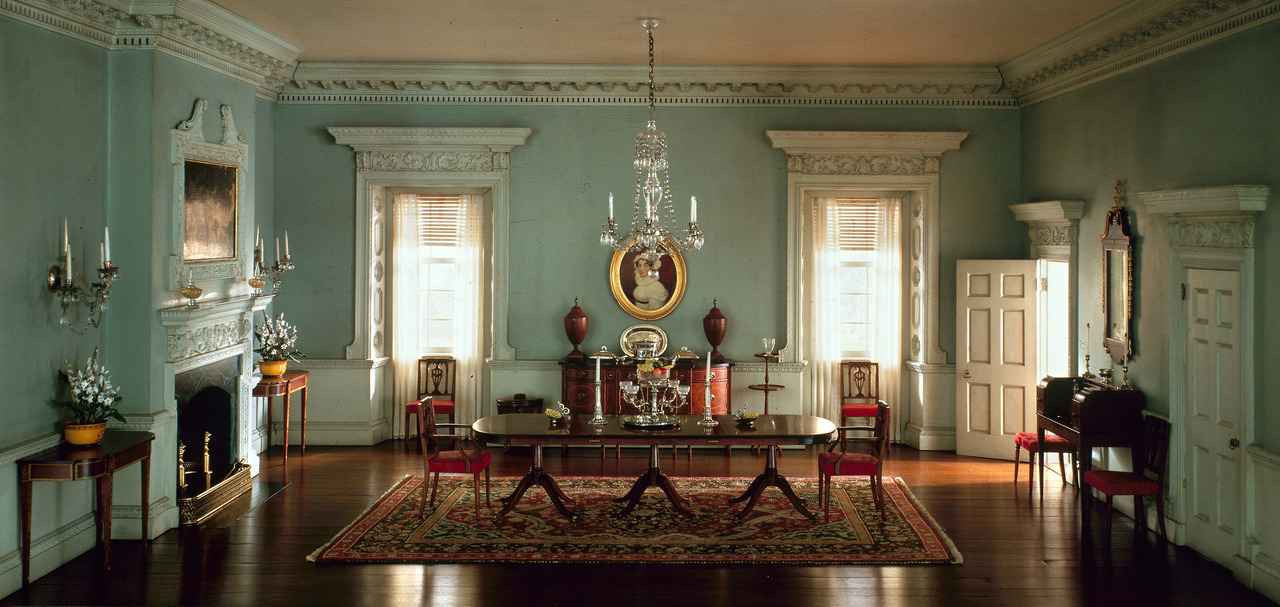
<point>560,183</point>
<point>53,111</point>
<point>1204,118</point>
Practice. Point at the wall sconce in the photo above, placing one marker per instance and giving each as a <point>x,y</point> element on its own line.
<point>62,284</point>
<point>275,272</point>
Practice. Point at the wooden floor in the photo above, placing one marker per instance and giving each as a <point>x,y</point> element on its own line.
<point>1017,551</point>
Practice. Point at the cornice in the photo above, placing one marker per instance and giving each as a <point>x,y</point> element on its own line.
<point>1049,211</point>
<point>920,143</point>
<point>1219,217</point>
<point>1133,35</point>
<point>426,139</point>
<point>194,30</point>
<point>612,85</point>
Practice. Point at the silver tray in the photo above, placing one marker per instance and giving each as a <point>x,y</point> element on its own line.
<point>637,421</point>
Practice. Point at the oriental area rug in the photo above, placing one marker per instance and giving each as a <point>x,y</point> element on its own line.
<point>773,533</point>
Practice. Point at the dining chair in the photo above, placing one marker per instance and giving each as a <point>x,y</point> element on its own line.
<point>858,456</point>
<point>458,460</point>
<point>860,392</point>
<point>1150,459</point>
<point>1053,444</point>
<point>436,379</point>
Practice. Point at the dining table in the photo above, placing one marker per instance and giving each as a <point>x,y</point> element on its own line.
<point>536,430</point>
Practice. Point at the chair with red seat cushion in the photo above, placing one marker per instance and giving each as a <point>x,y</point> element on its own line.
<point>459,460</point>
<point>858,456</point>
<point>860,392</point>
<point>1053,444</point>
<point>436,377</point>
<point>1150,456</point>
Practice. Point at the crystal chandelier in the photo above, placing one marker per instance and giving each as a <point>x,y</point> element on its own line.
<point>652,211</point>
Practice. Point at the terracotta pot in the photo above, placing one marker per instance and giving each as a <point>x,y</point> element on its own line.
<point>83,434</point>
<point>272,368</point>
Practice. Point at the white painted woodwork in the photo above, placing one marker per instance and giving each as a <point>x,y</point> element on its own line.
<point>996,368</point>
<point>1213,392</point>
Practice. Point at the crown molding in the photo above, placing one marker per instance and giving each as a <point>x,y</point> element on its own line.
<point>915,143</point>
<point>612,85</point>
<point>193,30</point>
<point>1133,35</point>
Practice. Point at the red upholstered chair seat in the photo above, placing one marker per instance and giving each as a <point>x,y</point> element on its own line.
<point>1053,442</point>
<point>441,407</point>
<point>453,461</point>
<point>1121,483</point>
<point>852,464</point>
<point>859,409</point>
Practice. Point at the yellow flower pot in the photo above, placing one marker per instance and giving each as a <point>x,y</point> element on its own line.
<point>83,434</point>
<point>272,368</point>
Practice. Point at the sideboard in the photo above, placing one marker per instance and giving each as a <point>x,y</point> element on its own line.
<point>577,384</point>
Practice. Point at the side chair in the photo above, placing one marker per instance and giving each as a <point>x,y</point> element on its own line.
<point>858,456</point>
<point>860,391</point>
<point>1053,444</point>
<point>458,460</point>
<point>437,376</point>
<point>1150,456</point>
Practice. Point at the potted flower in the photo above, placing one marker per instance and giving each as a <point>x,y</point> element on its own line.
<point>277,338</point>
<point>93,400</point>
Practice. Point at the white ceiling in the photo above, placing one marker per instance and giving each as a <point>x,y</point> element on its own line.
<point>898,33</point>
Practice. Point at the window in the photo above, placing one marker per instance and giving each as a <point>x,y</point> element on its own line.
<point>435,286</point>
<point>857,239</point>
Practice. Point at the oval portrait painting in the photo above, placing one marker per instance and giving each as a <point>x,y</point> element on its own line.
<point>645,290</point>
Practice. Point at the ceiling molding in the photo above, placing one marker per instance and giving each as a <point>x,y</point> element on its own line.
<point>194,30</point>
<point>1131,36</point>
<point>611,85</point>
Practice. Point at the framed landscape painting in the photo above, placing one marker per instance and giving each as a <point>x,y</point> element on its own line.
<point>209,211</point>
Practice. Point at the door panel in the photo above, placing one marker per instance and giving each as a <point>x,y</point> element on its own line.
<point>996,365</point>
<point>1213,393</point>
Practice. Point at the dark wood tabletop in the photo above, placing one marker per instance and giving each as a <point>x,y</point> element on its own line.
<point>535,428</point>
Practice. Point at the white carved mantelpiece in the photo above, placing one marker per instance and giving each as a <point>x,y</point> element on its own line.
<point>214,331</point>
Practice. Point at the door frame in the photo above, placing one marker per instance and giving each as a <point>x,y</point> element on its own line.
<point>1209,229</point>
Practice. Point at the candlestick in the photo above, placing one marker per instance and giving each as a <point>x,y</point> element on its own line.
<point>106,246</point>
<point>707,421</point>
<point>693,209</point>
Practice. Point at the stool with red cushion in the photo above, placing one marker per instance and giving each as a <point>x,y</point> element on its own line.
<point>459,460</point>
<point>1053,444</point>
<point>858,456</point>
<point>1150,456</point>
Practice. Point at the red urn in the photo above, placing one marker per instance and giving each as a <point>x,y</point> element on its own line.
<point>575,327</point>
<point>714,325</point>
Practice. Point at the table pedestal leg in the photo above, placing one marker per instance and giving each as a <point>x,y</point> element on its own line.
<point>653,478</point>
<point>771,478</point>
<point>537,476</point>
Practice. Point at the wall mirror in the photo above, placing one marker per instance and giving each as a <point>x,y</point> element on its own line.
<point>1117,283</point>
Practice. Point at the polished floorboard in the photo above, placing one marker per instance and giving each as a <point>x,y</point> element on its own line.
<point>1017,550</point>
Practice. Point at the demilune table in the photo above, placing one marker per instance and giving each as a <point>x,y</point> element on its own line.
<point>535,430</point>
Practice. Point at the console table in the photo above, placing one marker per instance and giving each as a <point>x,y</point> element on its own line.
<point>284,385</point>
<point>75,462</point>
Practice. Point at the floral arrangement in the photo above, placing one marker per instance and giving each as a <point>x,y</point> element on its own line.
<point>278,339</point>
<point>93,398</point>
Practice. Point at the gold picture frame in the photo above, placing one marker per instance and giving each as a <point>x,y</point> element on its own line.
<point>652,298</point>
<point>210,211</point>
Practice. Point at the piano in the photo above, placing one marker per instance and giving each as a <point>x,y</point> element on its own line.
<point>1089,413</point>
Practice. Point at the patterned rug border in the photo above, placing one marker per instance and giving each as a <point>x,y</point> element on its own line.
<point>382,502</point>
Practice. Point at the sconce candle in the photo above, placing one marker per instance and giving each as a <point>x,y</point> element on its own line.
<point>610,206</point>
<point>693,209</point>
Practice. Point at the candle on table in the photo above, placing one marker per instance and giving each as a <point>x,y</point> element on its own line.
<point>1086,338</point>
<point>693,209</point>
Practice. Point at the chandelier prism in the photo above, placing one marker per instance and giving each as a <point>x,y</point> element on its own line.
<point>653,215</point>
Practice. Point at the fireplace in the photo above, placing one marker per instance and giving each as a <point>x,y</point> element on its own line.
<point>211,366</point>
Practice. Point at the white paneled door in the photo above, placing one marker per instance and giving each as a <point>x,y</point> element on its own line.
<point>996,355</point>
<point>1213,392</point>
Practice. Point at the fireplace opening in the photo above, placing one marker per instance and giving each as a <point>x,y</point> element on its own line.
<point>211,472</point>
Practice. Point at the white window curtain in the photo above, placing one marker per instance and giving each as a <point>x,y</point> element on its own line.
<point>885,305</point>
<point>436,302</point>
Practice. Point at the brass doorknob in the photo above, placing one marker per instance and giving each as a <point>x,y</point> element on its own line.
<point>1234,443</point>
<point>966,374</point>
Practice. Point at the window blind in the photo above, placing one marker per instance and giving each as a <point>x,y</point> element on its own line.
<point>856,223</point>
<point>441,220</point>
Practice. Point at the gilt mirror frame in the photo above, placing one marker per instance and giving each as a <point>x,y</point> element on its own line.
<point>1117,283</point>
